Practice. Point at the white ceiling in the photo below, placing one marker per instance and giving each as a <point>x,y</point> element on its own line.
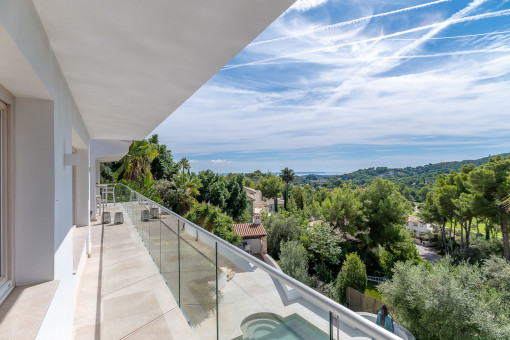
<point>131,63</point>
<point>16,74</point>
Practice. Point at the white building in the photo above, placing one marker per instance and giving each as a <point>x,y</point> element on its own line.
<point>418,225</point>
<point>79,80</point>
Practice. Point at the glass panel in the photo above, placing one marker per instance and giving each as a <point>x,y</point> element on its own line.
<point>198,280</point>
<point>131,209</point>
<point>169,252</point>
<point>137,215</point>
<point>146,223</point>
<point>254,305</point>
<point>154,234</point>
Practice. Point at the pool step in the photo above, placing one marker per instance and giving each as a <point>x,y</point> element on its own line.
<point>259,328</point>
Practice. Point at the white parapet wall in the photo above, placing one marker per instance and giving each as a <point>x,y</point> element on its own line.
<point>290,293</point>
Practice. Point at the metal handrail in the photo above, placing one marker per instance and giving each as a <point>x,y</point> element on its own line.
<point>350,317</point>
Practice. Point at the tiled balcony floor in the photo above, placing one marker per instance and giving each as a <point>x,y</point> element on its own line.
<point>121,293</point>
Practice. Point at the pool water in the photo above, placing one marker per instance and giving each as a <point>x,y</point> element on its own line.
<point>268,326</point>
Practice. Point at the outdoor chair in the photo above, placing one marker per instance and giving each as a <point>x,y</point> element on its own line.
<point>106,192</point>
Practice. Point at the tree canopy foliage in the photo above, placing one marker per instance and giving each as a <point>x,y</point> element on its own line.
<point>287,175</point>
<point>213,190</point>
<point>473,193</point>
<point>402,250</point>
<point>343,210</point>
<point>271,187</point>
<point>213,220</point>
<point>451,302</point>
<point>163,165</point>
<point>385,211</point>
<point>280,229</point>
<point>137,162</point>
<point>237,201</point>
<point>180,193</point>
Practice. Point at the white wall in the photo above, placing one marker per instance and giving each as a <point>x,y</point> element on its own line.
<point>255,246</point>
<point>417,227</point>
<point>82,189</point>
<point>34,191</point>
<point>43,185</point>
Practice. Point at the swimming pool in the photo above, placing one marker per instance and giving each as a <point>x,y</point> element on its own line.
<point>269,326</point>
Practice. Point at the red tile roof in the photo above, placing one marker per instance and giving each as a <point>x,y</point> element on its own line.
<point>249,229</point>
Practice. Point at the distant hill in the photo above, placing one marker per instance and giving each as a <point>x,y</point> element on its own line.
<point>437,168</point>
<point>416,177</point>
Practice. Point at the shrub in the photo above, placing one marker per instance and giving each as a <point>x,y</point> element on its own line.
<point>213,220</point>
<point>480,249</point>
<point>353,274</point>
<point>145,186</point>
<point>294,261</point>
<point>321,242</point>
<point>444,301</point>
<point>281,228</point>
<point>326,289</point>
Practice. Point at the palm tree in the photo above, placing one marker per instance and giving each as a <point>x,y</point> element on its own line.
<point>287,176</point>
<point>183,190</point>
<point>137,162</point>
<point>184,163</point>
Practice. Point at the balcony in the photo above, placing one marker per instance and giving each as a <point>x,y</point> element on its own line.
<point>159,275</point>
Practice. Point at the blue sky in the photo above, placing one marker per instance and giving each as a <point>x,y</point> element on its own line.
<point>339,85</point>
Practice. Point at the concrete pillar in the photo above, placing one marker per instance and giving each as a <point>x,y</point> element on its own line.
<point>82,189</point>
<point>34,187</point>
<point>92,183</point>
<point>95,178</point>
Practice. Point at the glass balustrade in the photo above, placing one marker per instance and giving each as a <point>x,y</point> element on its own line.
<point>226,293</point>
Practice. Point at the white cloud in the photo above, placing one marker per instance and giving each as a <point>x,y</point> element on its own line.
<point>355,85</point>
<point>220,161</point>
<point>305,5</point>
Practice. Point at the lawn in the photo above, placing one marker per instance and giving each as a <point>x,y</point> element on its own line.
<point>481,227</point>
<point>371,290</point>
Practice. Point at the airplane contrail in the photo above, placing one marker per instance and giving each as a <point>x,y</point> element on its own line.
<point>505,12</point>
<point>345,23</point>
<point>445,54</point>
<point>381,65</point>
<point>458,36</point>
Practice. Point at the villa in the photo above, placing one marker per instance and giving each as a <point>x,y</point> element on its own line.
<point>254,236</point>
<point>259,203</point>
<point>418,225</point>
<point>80,80</point>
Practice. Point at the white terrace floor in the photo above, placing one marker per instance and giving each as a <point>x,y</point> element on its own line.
<point>122,294</point>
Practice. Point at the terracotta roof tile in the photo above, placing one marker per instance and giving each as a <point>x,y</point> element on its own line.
<point>249,229</point>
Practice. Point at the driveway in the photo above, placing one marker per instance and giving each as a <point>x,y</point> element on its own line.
<point>427,254</point>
